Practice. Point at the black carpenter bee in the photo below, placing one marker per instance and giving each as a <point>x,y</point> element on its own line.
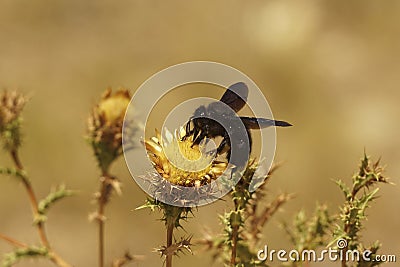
<point>220,119</point>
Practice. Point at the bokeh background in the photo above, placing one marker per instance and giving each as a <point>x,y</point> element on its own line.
<point>329,67</point>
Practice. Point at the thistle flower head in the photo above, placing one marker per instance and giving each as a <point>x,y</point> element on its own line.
<point>180,162</point>
<point>105,126</point>
<point>112,107</point>
<point>11,106</point>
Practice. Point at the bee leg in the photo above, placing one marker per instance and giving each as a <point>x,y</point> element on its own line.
<point>250,140</point>
<point>196,133</point>
<point>199,136</point>
<point>188,131</point>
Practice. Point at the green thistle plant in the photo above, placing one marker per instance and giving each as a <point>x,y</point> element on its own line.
<point>11,106</point>
<point>172,217</point>
<point>182,150</point>
<point>358,199</point>
<point>244,223</point>
<point>310,234</point>
<point>104,128</point>
<point>26,252</point>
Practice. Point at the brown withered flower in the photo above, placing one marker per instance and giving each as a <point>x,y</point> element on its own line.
<point>11,105</point>
<point>105,126</point>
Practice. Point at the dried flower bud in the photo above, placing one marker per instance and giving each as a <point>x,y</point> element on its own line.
<point>105,126</point>
<point>113,107</point>
<point>11,105</point>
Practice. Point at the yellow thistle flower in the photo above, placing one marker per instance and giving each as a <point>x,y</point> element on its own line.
<point>180,163</point>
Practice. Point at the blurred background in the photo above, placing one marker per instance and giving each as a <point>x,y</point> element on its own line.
<point>329,67</point>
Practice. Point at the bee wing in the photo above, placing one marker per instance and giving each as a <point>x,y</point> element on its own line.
<point>259,123</point>
<point>236,96</point>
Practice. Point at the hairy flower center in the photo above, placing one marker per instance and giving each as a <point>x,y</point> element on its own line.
<point>182,163</point>
<point>187,164</point>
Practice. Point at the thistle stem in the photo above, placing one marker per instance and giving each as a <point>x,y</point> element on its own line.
<point>347,226</point>
<point>104,196</point>
<point>344,263</point>
<point>13,242</point>
<point>344,251</point>
<point>235,236</point>
<point>32,198</point>
<point>100,220</point>
<point>170,232</point>
<point>35,210</point>
<point>101,235</point>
